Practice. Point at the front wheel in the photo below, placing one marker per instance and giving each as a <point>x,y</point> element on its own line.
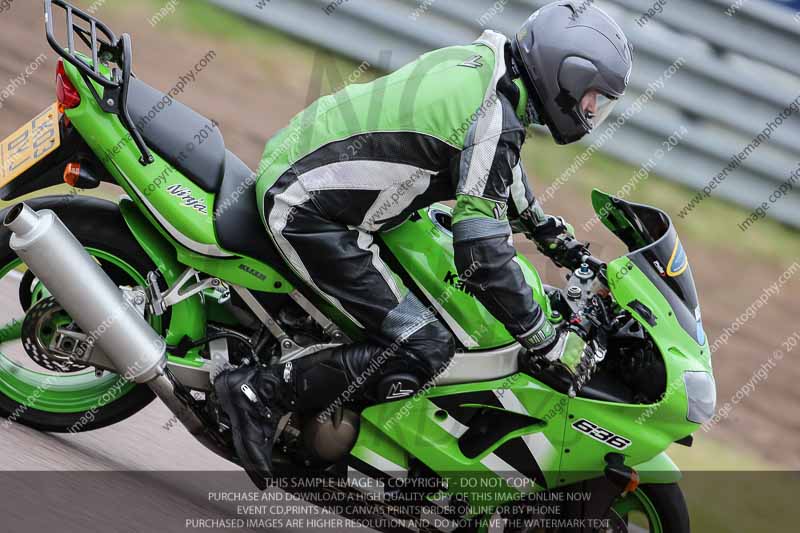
<point>653,509</point>
<point>65,399</point>
<point>649,509</point>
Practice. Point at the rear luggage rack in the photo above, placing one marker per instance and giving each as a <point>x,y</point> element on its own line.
<point>105,48</point>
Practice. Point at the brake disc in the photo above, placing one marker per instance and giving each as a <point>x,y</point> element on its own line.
<point>51,339</point>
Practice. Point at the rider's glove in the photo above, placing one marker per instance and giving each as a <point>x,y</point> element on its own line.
<point>540,339</point>
<point>550,234</point>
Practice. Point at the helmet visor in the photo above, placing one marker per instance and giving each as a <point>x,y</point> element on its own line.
<point>595,107</point>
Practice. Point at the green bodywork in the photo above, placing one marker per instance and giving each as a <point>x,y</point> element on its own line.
<point>573,455</point>
<point>425,249</point>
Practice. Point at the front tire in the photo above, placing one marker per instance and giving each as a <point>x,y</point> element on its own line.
<point>80,401</point>
<point>650,508</point>
<point>669,506</point>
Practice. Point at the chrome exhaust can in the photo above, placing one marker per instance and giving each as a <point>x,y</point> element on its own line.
<point>81,287</point>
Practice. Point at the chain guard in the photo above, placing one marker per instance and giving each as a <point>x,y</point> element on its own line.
<point>37,327</point>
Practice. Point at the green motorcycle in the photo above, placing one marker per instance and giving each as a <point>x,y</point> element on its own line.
<point>116,303</point>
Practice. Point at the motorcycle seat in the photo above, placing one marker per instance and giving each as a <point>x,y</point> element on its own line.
<point>237,220</point>
<point>183,137</point>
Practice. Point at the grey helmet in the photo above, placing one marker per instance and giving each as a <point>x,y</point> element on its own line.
<point>569,53</point>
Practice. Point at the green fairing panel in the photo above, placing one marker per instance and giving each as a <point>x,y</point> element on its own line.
<point>424,247</point>
<point>661,282</point>
<point>106,136</point>
<point>648,296</point>
<point>418,428</point>
<point>188,317</point>
<point>661,469</point>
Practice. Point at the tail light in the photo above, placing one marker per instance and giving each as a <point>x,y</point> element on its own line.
<point>66,93</point>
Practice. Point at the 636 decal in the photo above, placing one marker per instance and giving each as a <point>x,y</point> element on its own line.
<point>603,435</point>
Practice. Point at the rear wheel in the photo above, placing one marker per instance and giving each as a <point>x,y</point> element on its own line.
<point>44,397</point>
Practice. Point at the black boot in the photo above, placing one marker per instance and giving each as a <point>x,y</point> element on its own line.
<point>255,400</point>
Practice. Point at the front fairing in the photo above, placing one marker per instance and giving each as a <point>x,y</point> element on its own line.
<point>654,283</point>
<point>657,251</point>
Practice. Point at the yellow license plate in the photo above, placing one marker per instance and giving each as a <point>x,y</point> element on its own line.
<point>29,144</point>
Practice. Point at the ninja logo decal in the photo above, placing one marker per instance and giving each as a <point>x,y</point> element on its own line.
<point>185,194</point>
<point>603,435</point>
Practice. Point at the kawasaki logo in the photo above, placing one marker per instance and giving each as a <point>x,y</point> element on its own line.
<point>453,280</point>
<point>253,272</point>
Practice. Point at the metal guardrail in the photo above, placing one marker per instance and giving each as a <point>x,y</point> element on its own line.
<point>738,73</point>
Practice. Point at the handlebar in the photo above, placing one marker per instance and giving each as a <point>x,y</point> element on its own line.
<point>572,253</point>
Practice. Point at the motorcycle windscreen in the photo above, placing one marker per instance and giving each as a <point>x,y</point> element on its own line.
<point>656,250</point>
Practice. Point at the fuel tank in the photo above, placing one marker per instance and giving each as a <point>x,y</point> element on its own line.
<point>424,247</point>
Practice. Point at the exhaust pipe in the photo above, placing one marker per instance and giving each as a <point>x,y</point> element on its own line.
<point>99,308</point>
<point>78,283</point>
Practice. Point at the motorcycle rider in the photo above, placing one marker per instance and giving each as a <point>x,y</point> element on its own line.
<point>449,125</point>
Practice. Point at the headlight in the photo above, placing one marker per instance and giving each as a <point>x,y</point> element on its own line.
<point>702,394</point>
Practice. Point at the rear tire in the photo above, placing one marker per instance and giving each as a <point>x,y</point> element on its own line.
<point>97,224</point>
